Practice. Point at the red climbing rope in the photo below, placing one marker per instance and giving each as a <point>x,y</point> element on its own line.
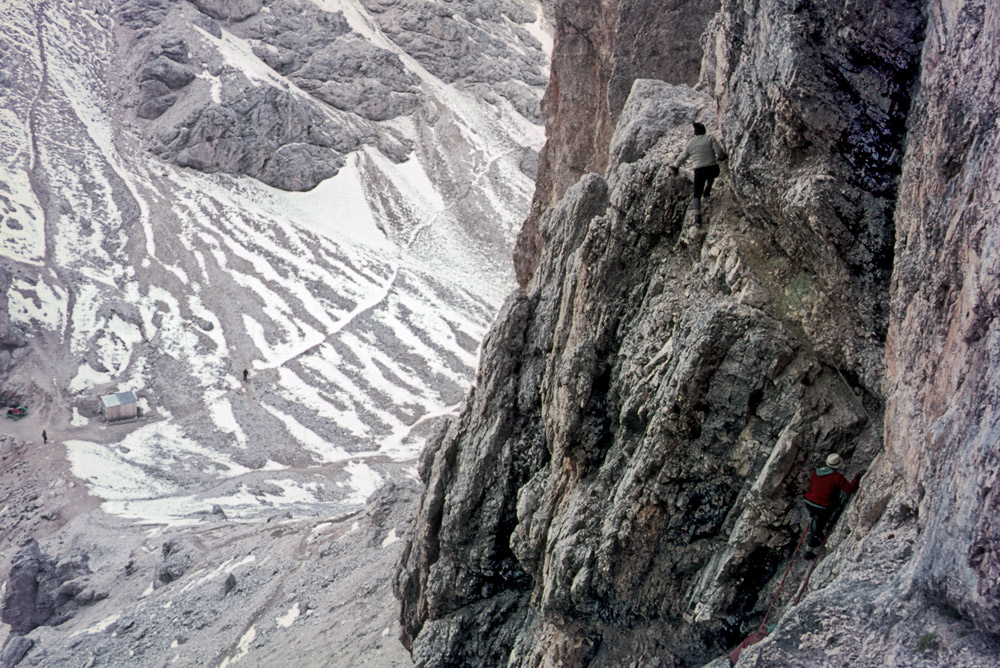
<point>791,562</point>
<point>805,583</point>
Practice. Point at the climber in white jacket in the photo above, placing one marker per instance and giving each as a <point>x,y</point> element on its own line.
<point>704,151</point>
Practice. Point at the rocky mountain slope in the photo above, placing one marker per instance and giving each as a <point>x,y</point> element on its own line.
<point>322,193</point>
<point>623,484</point>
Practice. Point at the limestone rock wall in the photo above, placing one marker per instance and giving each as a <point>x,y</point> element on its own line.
<point>623,485</point>
<point>9,336</point>
<point>919,582</point>
<point>601,47</point>
<point>661,437</point>
<point>323,87</point>
<point>814,101</point>
<point>944,342</point>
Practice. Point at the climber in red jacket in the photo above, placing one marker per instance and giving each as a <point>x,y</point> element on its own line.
<point>825,486</point>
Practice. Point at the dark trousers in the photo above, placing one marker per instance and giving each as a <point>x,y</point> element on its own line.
<point>819,520</point>
<point>703,179</point>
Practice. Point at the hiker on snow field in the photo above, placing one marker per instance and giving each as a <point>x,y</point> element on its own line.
<point>825,485</point>
<point>705,152</point>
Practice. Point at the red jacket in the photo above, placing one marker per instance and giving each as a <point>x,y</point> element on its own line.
<point>824,483</point>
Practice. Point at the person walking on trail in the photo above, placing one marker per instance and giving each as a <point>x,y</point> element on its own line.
<point>246,373</point>
<point>45,437</point>
<point>705,152</point>
<point>825,485</point>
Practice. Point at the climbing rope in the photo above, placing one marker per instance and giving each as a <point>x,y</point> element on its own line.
<point>791,562</point>
<point>805,582</point>
<point>798,546</point>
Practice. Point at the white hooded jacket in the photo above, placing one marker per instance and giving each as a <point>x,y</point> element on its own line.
<point>703,150</point>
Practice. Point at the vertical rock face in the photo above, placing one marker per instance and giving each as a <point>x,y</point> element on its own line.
<point>666,408</point>
<point>814,104</point>
<point>942,382</point>
<point>601,47</point>
<point>9,337</point>
<point>926,542</point>
<point>656,41</point>
<point>623,485</point>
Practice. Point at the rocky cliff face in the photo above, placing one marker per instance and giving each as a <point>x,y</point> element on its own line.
<point>944,336</point>
<point>10,338</point>
<point>623,485</point>
<point>209,106</point>
<point>602,47</point>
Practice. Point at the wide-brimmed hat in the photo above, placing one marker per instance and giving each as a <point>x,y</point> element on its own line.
<point>834,461</point>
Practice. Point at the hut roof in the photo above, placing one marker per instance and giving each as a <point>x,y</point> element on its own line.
<point>118,399</point>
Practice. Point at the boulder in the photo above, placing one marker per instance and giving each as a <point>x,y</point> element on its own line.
<point>173,74</point>
<point>229,10</point>
<point>45,591</point>
<point>15,648</point>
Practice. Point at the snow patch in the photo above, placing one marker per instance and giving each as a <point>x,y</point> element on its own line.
<point>87,377</point>
<point>37,303</point>
<point>99,627</point>
<point>286,620</point>
<point>224,418</point>
<point>78,420</point>
<point>338,208</point>
<point>242,649</point>
<point>364,481</point>
<point>542,31</point>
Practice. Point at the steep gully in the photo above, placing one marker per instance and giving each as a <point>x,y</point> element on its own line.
<point>622,485</point>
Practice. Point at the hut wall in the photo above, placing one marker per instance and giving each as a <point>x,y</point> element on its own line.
<point>121,412</point>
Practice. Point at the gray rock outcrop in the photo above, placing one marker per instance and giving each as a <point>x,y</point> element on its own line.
<point>177,559</point>
<point>143,14</point>
<point>14,649</point>
<point>41,590</point>
<point>452,40</point>
<point>268,133</point>
<point>229,10</point>
<point>623,485</point>
<point>160,77</point>
<point>600,49</point>
<point>333,84</point>
<point>319,53</point>
<point>9,335</point>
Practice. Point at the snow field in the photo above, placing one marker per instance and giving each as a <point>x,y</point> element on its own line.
<point>22,232</point>
<point>357,305</point>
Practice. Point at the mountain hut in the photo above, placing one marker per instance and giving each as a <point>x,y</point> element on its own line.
<point>119,406</point>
